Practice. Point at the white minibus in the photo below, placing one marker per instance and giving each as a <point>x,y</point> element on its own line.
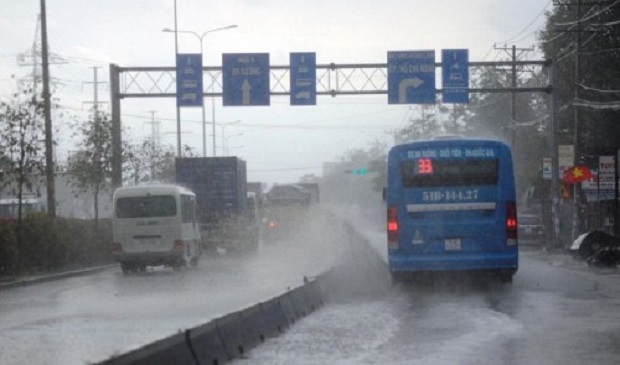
<point>155,225</point>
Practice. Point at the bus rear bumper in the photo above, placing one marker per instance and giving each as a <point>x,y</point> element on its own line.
<point>416,263</point>
<point>171,258</point>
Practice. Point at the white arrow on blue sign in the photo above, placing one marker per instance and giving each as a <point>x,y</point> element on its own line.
<point>455,75</point>
<point>303,78</point>
<point>411,77</point>
<point>245,79</point>
<point>189,79</point>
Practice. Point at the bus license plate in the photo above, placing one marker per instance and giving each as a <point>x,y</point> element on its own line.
<point>149,241</point>
<point>453,244</point>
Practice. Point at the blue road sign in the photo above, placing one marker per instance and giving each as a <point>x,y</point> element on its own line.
<point>245,79</point>
<point>455,75</point>
<point>189,79</point>
<point>411,77</point>
<point>303,78</point>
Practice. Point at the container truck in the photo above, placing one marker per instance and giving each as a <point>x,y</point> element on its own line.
<point>220,185</point>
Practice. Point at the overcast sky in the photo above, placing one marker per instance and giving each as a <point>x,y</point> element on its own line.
<point>279,142</point>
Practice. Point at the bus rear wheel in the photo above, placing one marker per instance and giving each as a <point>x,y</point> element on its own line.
<point>505,277</point>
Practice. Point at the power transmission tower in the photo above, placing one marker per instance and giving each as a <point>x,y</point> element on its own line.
<point>33,57</point>
<point>155,139</point>
<point>95,83</point>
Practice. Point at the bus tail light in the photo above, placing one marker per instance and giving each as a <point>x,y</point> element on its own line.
<point>511,222</point>
<point>392,227</point>
<point>179,245</point>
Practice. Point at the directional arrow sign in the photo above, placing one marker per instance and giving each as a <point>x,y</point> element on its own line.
<point>455,75</point>
<point>245,92</point>
<point>245,79</point>
<point>411,77</point>
<point>303,78</point>
<point>189,79</point>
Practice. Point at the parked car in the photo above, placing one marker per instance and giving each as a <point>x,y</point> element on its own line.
<point>531,229</point>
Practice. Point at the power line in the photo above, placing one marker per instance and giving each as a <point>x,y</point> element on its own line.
<point>599,105</point>
<point>529,24</point>
<point>575,22</point>
<point>598,90</point>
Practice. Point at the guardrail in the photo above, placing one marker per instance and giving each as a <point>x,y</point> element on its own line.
<point>232,335</point>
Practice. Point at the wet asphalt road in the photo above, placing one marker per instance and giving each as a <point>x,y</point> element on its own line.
<point>557,311</point>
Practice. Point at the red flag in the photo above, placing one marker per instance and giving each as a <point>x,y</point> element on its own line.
<point>576,174</point>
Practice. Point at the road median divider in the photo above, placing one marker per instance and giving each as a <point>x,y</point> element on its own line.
<point>231,336</point>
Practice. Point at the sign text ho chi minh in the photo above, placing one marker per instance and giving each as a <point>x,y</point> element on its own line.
<point>411,77</point>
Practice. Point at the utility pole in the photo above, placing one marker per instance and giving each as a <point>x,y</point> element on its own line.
<point>513,104</point>
<point>176,54</point>
<point>49,154</point>
<point>553,151</point>
<point>576,187</point>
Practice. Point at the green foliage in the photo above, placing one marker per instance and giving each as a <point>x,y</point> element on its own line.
<point>49,247</point>
<point>21,143</point>
<point>599,109</point>
<point>90,167</point>
<point>149,161</point>
<point>91,164</point>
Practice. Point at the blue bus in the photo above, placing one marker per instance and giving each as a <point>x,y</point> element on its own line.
<point>451,206</point>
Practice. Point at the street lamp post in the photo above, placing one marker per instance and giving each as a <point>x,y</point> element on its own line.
<point>223,126</point>
<point>225,142</point>
<point>204,122</point>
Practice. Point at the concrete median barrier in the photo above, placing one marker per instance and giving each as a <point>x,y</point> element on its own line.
<point>230,336</point>
<point>288,308</point>
<point>256,324</point>
<point>235,335</point>
<point>170,350</point>
<point>306,298</point>
<point>275,321</point>
<point>207,344</point>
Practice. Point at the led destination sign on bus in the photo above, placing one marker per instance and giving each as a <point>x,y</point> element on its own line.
<point>454,152</point>
<point>433,172</point>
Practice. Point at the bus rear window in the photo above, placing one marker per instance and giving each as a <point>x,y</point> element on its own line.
<point>429,172</point>
<point>146,207</point>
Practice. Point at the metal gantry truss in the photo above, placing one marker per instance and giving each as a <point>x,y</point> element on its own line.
<point>331,79</point>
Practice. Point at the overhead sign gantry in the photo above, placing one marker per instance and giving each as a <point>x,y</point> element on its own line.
<point>248,79</point>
